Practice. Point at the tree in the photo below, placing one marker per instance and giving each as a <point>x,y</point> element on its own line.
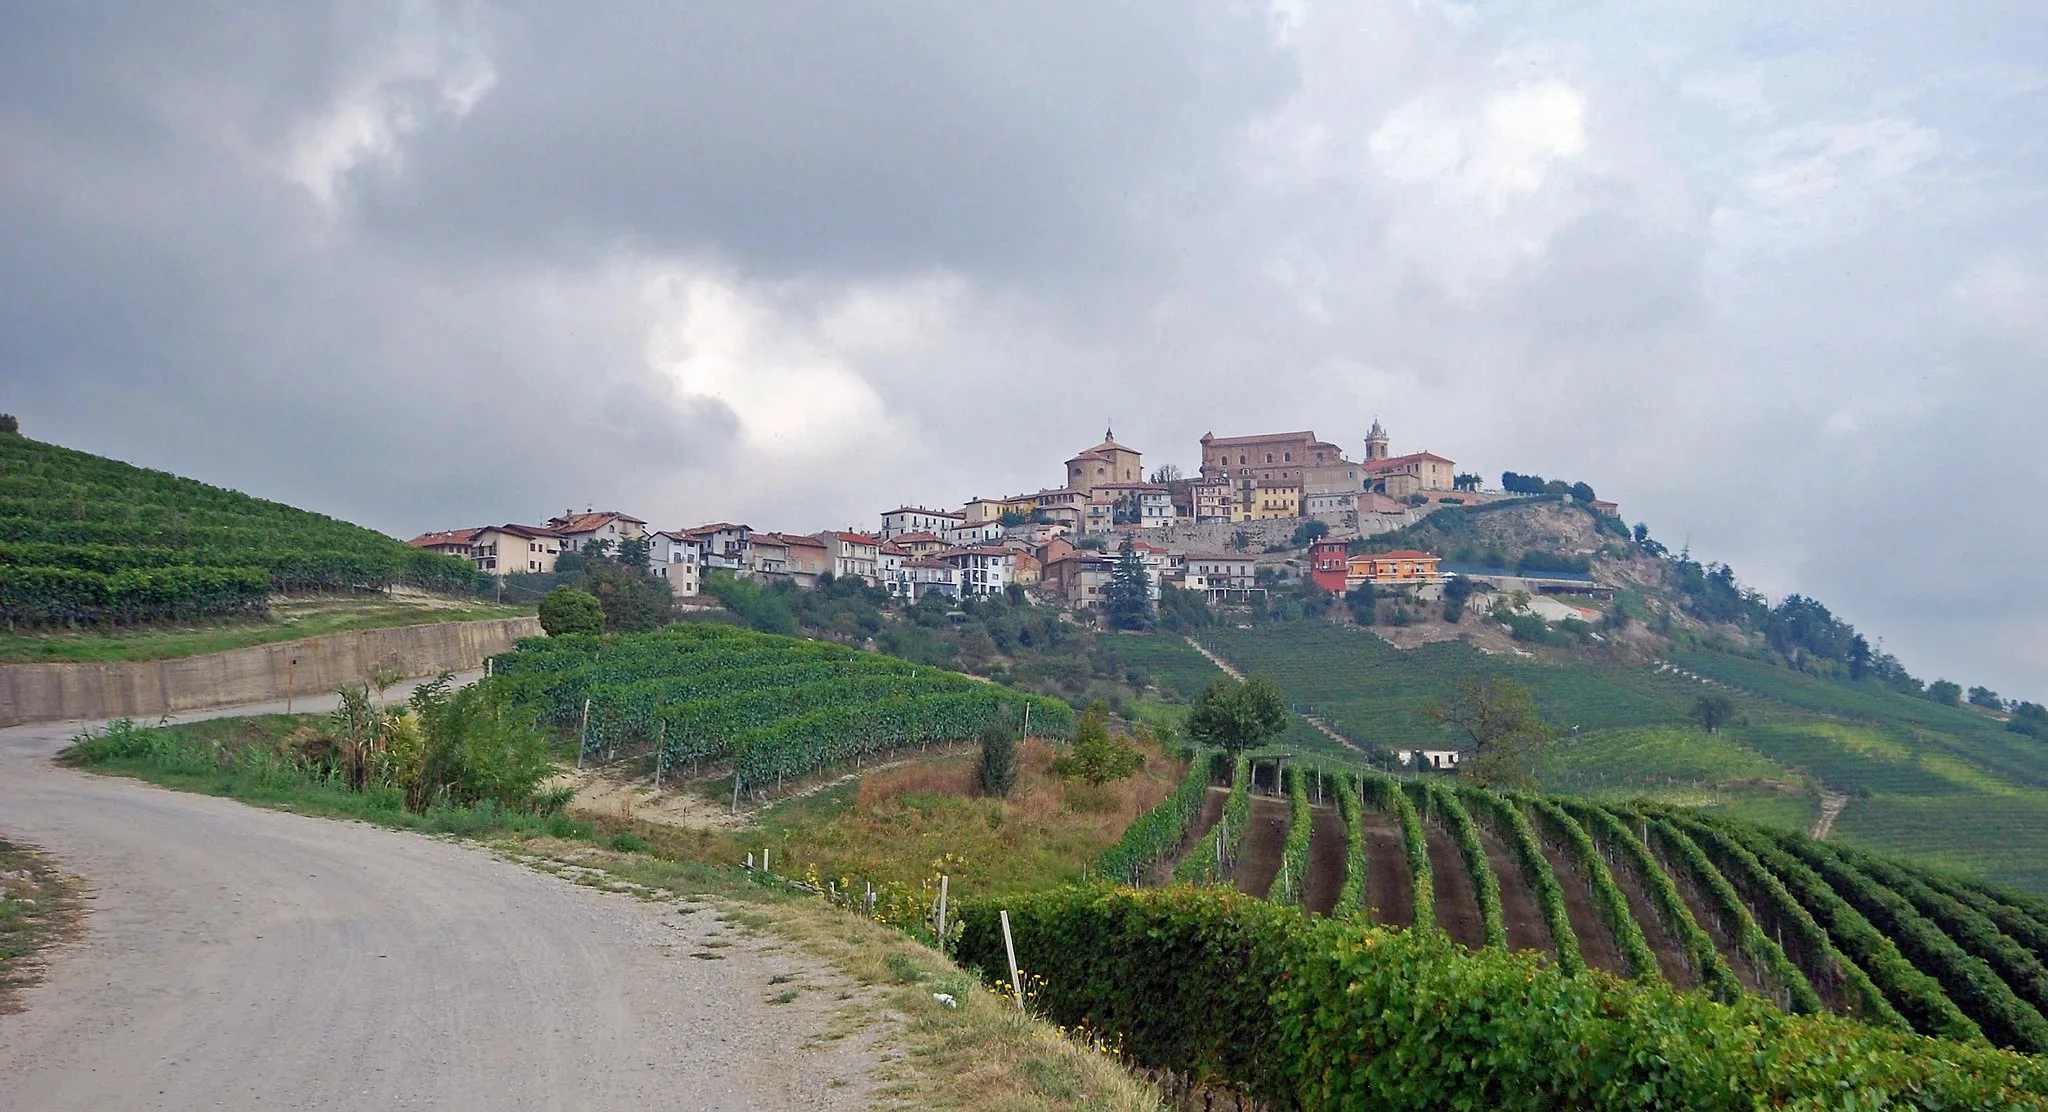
<point>1465,480</point>
<point>997,772</point>
<point>1945,692</point>
<point>1097,755</point>
<point>1986,698</point>
<point>568,610</point>
<point>1499,730</point>
<point>9,425</point>
<point>1309,532</point>
<point>634,552</point>
<point>1456,591</point>
<point>1237,715</point>
<point>1713,712</point>
<point>1860,658</point>
<point>1583,492</point>
<point>1128,598</point>
<point>2030,719</point>
<point>597,550</point>
<point>1167,473</point>
<point>632,600</point>
<point>1364,602</point>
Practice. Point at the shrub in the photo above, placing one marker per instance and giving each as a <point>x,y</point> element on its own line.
<point>1329,1013</point>
<point>1097,755</point>
<point>997,770</point>
<point>566,610</point>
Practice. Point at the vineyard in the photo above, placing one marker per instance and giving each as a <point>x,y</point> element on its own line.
<point>772,707</point>
<point>1379,696</point>
<point>1945,787</point>
<point>90,541</point>
<point>1649,894</point>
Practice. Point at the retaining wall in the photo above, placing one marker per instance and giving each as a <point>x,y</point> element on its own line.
<point>258,674</point>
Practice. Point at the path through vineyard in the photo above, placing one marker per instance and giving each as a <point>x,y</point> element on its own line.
<point>1265,835</point>
<point>1200,837</point>
<point>1670,954</point>
<point>1596,942</point>
<point>1325,860</point>
<point>1457,905</point>
<point>1389,889</point>
<point>1519,910</point>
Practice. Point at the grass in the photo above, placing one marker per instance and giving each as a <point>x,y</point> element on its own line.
<point>902,826</point>
<point>38,906</point>
<point>290,619</point>
<point>1380,696</point>
<point>236,758</point>
<point>1655,758</point>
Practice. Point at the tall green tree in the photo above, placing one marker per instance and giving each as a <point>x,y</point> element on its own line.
<point>1128,598</point>
<point>997,770</point>
<point>1364,602</point>
<point>1238,715</point>
<point>1946,692</point>
<point>1498,729</point>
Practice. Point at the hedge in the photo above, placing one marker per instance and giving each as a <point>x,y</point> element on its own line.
<point>1160,830</point>
<point>1293,879</point>
<point>1353,896</point>
<point>1317,1014</point>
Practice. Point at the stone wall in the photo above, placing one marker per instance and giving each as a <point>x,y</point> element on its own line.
<point>258,674</point>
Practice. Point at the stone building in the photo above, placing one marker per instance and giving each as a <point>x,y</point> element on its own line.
<point>1104,464</point>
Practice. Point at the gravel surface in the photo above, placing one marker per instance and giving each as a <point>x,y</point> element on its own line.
<point>240,958</point>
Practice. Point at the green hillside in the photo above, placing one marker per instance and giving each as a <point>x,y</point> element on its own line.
<point>86,540</point>
<point>1941,785</point>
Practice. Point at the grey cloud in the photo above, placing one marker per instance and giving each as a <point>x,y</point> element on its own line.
<point>1169,215</point>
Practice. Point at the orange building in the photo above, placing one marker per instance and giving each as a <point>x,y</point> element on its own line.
<point>1398,568</point>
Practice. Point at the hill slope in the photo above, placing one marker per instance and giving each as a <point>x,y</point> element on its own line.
<point>89,540</point>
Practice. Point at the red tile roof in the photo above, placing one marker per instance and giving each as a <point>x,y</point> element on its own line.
<point>589,522</point>
<point>918,538</point>
<point>714,527</point>
<point>922,510</point>
<point>1398,554</point>
<point>449,536</point>
<point>1399,461</point>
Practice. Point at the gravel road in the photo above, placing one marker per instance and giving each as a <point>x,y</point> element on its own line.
<point>242,958</point>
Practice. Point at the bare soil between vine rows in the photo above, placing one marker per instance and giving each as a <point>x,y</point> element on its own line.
<point>1325,861</point>
<point>1265,836</point>
<point>1596,942</point>
<point>1389,890</point>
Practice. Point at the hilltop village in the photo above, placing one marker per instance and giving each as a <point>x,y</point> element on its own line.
<point>1229,533</point>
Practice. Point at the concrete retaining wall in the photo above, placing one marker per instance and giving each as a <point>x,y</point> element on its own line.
<point>258,674</point>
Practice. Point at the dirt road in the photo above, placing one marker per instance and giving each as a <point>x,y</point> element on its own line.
<point>242,958</point>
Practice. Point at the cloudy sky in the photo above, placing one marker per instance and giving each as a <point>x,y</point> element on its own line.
<point>1778,284</point>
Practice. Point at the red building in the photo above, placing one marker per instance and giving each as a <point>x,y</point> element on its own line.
<point>1327,567</point>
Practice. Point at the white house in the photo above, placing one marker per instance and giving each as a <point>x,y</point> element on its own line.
<point>1146,505</point>
<point>1221,576</point>
<point>983,570</point>
<point>854,554</point>
<point>974,533</point>
<point>678,558</point>
<point>921,577</point>
<point>1438,760</point>
<point>724,546</point>
<point>609,526</point>
<point>916,519</point>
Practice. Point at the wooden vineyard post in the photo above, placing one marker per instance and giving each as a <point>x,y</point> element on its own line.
<point>764,862</point>
<point>1010,949</point>
<point>735,791</point>
<point>942,913</point>
<point>660,751</point>
<point>583,734</point>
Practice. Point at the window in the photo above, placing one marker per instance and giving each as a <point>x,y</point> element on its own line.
<point>1287,456</point>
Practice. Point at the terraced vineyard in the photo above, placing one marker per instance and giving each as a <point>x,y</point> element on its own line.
<point>88,540</point>
<point>1652,893</point>
<point>773,707</point>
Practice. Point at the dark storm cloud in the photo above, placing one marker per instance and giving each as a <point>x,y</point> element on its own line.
<point>1774,281</point>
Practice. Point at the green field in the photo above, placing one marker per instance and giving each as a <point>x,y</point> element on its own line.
<point>1379,695</point>
<point>86,540</point>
